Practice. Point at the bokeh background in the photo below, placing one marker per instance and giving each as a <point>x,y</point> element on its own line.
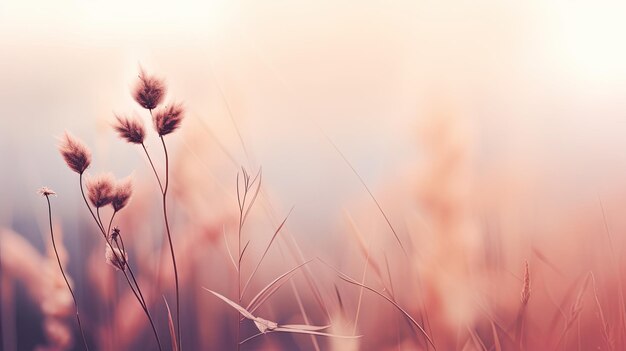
<point>491,133</point>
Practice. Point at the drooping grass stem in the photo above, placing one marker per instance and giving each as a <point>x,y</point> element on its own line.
<point>169,239</point>
<point>145,150</point>
<point>69,287</point>
<point>120,257</point>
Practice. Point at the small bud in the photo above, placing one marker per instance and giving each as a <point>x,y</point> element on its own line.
<point>45,191</point>
<point>115,233</point>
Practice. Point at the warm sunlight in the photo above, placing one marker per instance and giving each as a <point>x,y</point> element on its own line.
<point>312,175</point>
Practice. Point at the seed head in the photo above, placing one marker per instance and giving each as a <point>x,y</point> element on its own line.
<point>45,191</point>
<point>525,295</point>
<point>116,258</point>
<point>75,153</point>
<point>168,119</point>
<point>131,129</point>
<point>121,194</point>
<point>149,91</point>
<point>100,189</point>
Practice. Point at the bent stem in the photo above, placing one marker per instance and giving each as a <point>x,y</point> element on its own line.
<point>69,287</point>
<point>169,239</point>
<point>111,222</point>
<point>243,214</point>
<point>120,257</point>
<point>138,294</point>
<point>152,166</point>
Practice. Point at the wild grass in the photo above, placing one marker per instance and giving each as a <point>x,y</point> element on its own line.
<point>393,282</point>
<point>46,192</point>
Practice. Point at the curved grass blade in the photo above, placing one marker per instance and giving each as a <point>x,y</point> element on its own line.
<point>404,312</point>
<point>245,287</point>
<point>241,310</point>
<point>263,294</point>
<point>170,323</point>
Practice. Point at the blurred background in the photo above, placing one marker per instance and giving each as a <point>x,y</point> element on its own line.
<point>490,133</point>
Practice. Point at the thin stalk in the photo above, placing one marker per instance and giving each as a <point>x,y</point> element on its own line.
<point>98,220</point>
<point>243,214</point>
<point>144,305</point>
<point>106,234</point>
<point>153,168</point>
<point>239,256</point>
<point>111,222</point>
<point>156,175</point>
<point>361,290</point>
<point>615,261</point>
<point>130,270</point>
<point>169,239</point>
<point>69,287</point>
<point>82,191</point>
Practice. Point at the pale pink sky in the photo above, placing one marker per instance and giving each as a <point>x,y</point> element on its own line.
<point>539,84</point>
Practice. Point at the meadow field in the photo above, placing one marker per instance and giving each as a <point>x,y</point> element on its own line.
<point>312,175</point>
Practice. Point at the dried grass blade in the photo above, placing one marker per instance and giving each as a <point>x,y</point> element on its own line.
<point>251,337</point>
<point>575,310</point>
<point>398,307</point>
<point>245,287</point>
<point>230,254</point>
<point>234,305</point>
<point>380,208</point>
<point>496,338</point>
<point>605,324</point>
<point>311,332</point>
<point>562,306</point>
<point>305,327</point>
<point>545,260</point>
<point>170,323</point>
<point>363,246</point>
<point>476,339</point>
<point>279,280</point>
<point>254,197</point>
<point>243,251</point>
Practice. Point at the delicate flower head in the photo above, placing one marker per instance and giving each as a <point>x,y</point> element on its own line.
<point>168,119</point>
<point>45,191</point>
<point>116,257</point>
<point>131,129</point>
<point>121,194</point>
<point>100,189</point>
<point>75,153</point>
<point>149,91</point>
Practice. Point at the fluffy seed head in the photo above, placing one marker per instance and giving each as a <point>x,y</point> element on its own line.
<point>121,194</point>
<point>45,191</point>
<point>116,258</point>
<point>168,119</point>
<point>149,91</point>
<point>525,295</point>
<point>75,153</point>
<point>130,129</point>
<point>100,189</point>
